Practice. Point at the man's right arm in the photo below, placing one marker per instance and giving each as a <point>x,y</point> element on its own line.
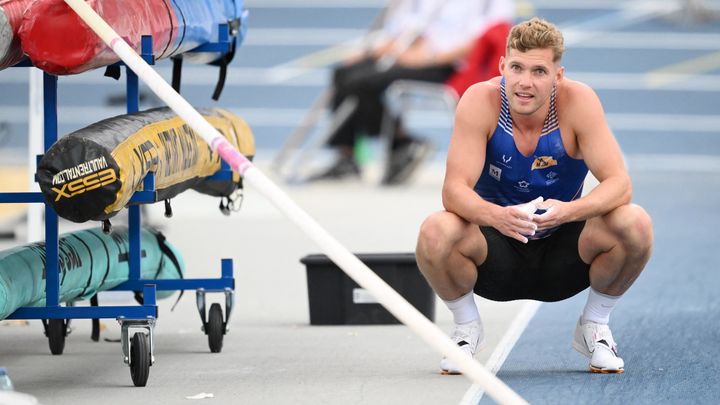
<point>466,156</point>
<point>475,118</point>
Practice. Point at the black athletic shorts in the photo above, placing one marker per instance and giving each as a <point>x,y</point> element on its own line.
<point>548,269</point>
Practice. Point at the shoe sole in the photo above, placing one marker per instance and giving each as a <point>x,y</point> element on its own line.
<point>592,370</point>
<point>606,371</point>
<point>481,346</point>
<point>580,348</point>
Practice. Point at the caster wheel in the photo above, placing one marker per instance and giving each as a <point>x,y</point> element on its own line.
<point>56,332</point>
<point>215,328</point>
<point>140,359</point>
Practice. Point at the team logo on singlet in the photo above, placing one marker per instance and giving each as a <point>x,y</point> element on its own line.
<point>495,172</point>
<point>552,178</point>
<point>505,161</point>
<point>523,186</point>
<point>542,162</point>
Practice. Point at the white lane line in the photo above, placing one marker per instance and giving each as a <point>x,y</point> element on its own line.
<point>647,82</point>
<point>252,77</point>
<point>630,13</point>
<point>684,70</point>
<point>604,38</point>
<point>289,117</point>
<point>663,40</point>
<point>192,75</point>
<point>665,122</point>
<point>474,394</point>
<point>300,36</point>
<point>674,163</point>
<point>312,61</point>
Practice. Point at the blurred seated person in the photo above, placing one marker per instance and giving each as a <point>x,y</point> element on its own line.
<point>424,40</point>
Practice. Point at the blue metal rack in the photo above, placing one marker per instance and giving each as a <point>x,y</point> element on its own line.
<point>138,350</point>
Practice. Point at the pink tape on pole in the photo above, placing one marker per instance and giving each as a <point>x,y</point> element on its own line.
<point>229,154</point>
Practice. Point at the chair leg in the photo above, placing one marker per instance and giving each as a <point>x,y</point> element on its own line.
<point>396,107</point>
<point>300,134</point>
<point>341,115</point>
<point>387,133</point>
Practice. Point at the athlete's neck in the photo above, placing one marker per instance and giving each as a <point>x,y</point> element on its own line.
<point>527,129</point>
<point>529,125</point>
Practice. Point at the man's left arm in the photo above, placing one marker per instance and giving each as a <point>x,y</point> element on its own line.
<point>600,151</point>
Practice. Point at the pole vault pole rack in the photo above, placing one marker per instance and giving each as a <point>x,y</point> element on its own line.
<point>137,322</point>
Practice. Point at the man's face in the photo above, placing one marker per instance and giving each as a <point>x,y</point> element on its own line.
<point>529,78</point>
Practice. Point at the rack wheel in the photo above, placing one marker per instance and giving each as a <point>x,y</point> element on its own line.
<point>139,359</point>
<point>56,332</point>
<point>215,328</point>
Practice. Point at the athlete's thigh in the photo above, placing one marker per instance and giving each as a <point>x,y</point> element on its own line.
<point>473,244</point>
<point>462,235</point>
<point>598,236</point>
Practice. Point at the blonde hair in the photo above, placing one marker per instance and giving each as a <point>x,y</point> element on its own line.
<point>536,33</point>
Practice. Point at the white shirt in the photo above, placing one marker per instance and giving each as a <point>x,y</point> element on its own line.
<point>447,24</point>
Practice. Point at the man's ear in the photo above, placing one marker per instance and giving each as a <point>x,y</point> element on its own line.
<point>560,75</point>
<point>501,65</point>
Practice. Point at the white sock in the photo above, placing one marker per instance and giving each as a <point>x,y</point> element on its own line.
<point>464,309</point>
<point>598,307</point>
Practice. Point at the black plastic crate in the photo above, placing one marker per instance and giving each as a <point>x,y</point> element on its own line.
<point>335,299</point>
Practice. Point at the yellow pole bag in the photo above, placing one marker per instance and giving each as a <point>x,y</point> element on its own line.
<point>92,173</point>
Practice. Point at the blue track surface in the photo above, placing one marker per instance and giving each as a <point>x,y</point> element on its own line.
<point>666,326</point>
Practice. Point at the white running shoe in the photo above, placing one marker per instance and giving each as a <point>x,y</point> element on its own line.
<point>595,341</point>
<point>470,337</point>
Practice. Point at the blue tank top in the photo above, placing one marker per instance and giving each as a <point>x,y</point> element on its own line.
<point>509,178</point>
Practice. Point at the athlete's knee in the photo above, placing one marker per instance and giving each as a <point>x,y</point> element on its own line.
<point>436,237</point>
<point>634,227</point>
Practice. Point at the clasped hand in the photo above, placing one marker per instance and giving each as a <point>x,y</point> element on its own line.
<point>523,220</point>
